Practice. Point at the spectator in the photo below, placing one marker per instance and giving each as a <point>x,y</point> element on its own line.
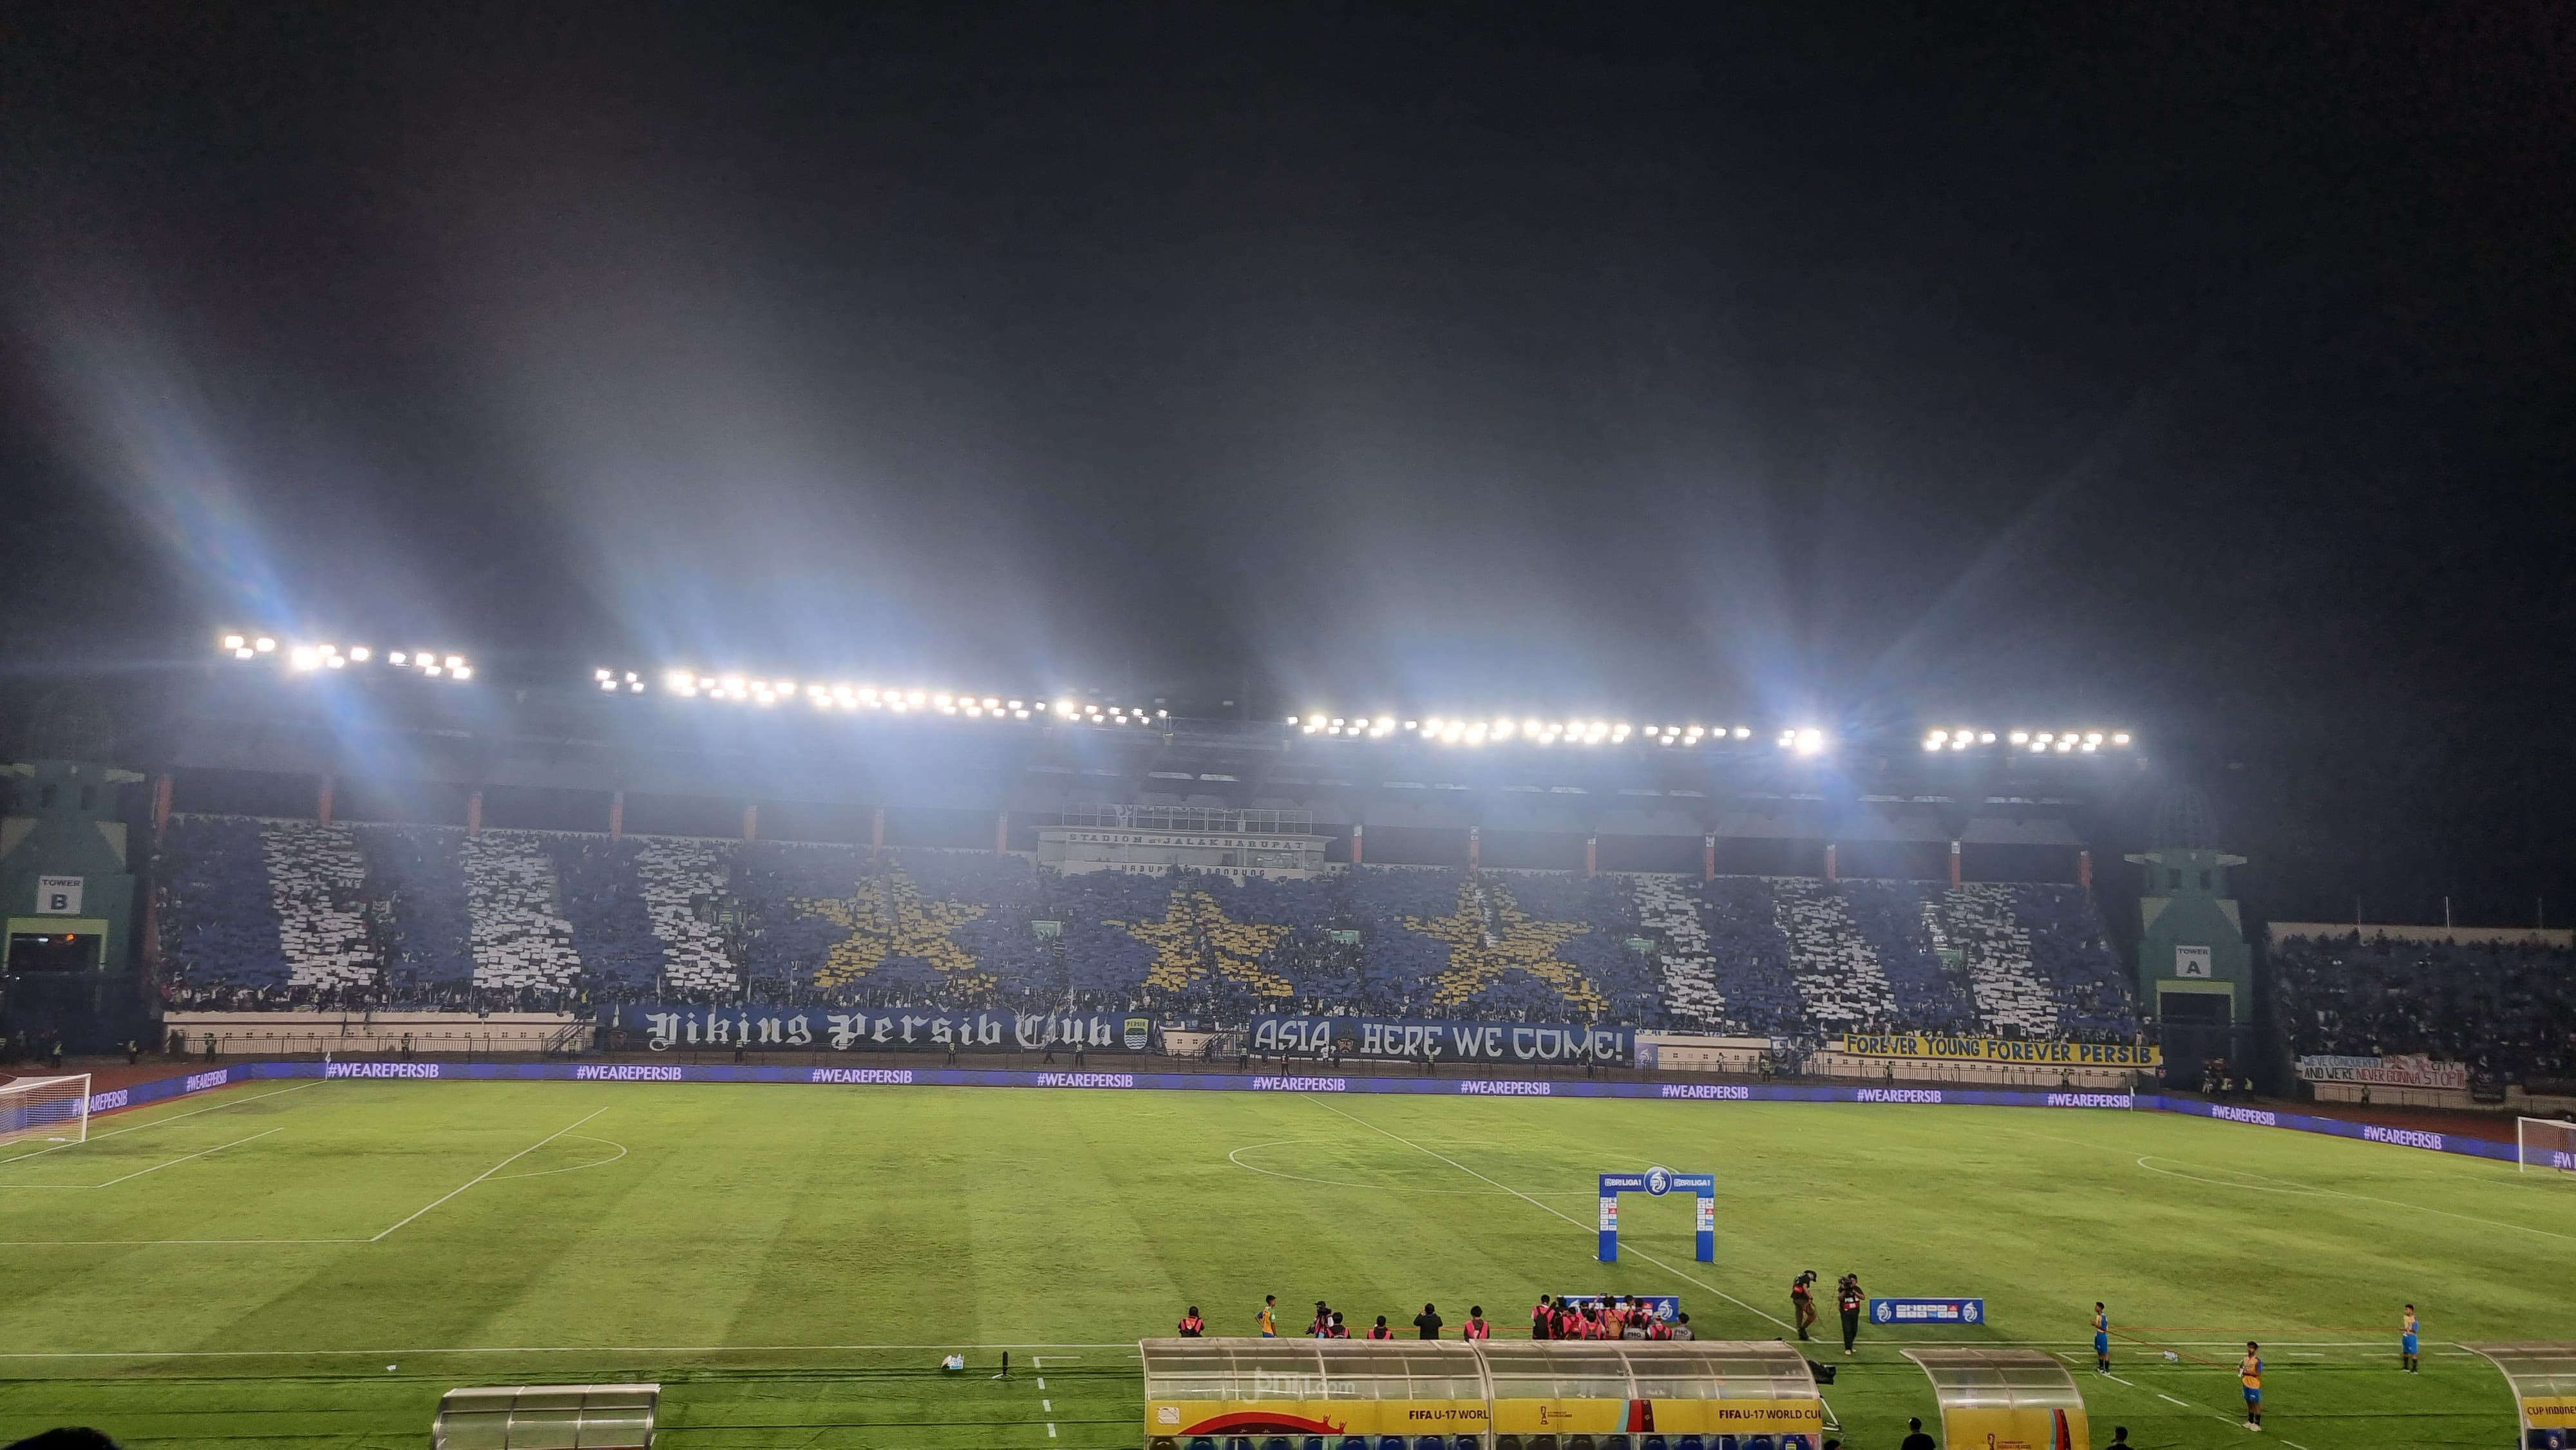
<point>1915,1439</point>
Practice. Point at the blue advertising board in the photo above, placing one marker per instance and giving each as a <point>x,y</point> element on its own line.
<point>1412,1039</point>
<point>1900,1313</point>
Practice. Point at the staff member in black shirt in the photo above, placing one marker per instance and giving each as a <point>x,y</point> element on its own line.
<point>1915,1439</point>
<point>1849,1298</point>
<point>1428,1322</point>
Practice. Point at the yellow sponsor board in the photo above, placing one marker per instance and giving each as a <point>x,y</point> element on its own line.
<point>1663,1417</point>
<point>2000,1049</point>
<point>2549,1412</point>
<point>2018,1429</point>
<point>1258,1418</point>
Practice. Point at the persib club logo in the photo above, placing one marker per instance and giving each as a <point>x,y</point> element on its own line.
<point>1139,1033</point>
<point>1659,1181</point>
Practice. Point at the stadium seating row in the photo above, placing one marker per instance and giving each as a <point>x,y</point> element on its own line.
<point>295,913</point>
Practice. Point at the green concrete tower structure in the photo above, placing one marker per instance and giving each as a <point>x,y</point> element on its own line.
<point>2195,970</point>
<point>66,884</point>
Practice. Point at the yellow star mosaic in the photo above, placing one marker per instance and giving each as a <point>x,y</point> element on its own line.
<point>892,919</point>
<point>1484,945</point>
<point>1195,937</point>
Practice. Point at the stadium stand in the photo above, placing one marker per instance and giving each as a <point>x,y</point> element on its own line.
<point>2506,1008</point>
<point>258,913</point>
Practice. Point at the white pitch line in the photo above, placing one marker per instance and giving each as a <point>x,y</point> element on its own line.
<point>157,1122</point>
<point>2170,1400</point>
<point>1534,1203</point>
<point>505,1348</point>
<point>495,1168</point>
<point>175,1162</point>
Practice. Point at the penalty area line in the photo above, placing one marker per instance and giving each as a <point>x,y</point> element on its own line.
<point>495,1168</point>
<point>175,1162</point>
<point>1548,1208</point>
<point>157,1122</point>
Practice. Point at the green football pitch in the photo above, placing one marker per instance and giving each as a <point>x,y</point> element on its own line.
<point>311,1264</point>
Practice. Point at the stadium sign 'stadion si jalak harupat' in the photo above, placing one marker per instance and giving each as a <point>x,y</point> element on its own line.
<point>1655,1183</point>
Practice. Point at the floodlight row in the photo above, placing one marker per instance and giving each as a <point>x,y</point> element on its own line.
<point>320,656</point>
<point>2037,742</point>
<point>758,690</point>
<point>1533,730</point>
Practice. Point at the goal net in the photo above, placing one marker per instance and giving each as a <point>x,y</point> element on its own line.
<point>48,1109</point>
<point>2545,1143</point>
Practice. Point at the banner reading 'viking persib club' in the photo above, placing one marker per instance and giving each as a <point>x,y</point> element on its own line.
<point>891,1029</point>
<point>1414,1039</point>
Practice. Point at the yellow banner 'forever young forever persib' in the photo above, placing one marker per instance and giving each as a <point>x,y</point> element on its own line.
<point>2000,1049</point>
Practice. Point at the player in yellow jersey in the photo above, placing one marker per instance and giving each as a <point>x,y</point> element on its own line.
<point>2249,1373</point>
<point>1268,1318</point>
<point>2407,1343</point>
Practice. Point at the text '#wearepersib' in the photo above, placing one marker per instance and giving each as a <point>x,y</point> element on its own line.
<point>2000,1049</point>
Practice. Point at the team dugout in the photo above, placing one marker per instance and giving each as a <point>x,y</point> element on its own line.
<point>1286,1394</point>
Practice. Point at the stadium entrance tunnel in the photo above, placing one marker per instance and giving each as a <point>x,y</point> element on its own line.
<point>2005,1397</point>
<point>2542,1376</point>
<point>1339,1394</point>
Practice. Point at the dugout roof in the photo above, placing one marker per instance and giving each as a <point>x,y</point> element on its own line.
<point>1998,1379</point>
<point>547,1417</point>
<point>1576,1369</point>
<point>2542,1375</point>
<point>1330,1369</point>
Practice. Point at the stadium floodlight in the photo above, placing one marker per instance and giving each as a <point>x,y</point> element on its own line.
<point>245,653</point>
<point>303,657</point>
<point>1936,739</point>
<point>2066,745</point>
<point>264,645</point>
<point>1743,732</point>
<point>2044,737</point>
<point>1019,714</point>
<point>942,700</point>
<point>1932,744</point>
<point>454,660</point>
<point>2122,738</point>
<point>361,653</point>
<point>602,674</point>
<point>336,662</point>
<point>915,697</point>
<point>398,657</point>
<point>635,687</point>
<point>54,1109</point>
<point>432,671</point>
<point>1986,738</point>
<point>234,642</point>
<point>2093,737</point>
<point>2021,737</point>
<point>1810,741</point>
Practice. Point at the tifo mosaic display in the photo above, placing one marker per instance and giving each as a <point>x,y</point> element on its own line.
<point>272,913</point>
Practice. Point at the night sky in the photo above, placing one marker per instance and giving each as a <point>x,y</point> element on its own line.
<point>2183,368</point>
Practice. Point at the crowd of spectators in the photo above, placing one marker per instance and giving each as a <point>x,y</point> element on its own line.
<point>263,914</point>
<point>2503,1008</point>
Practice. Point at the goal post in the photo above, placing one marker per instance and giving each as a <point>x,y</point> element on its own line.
<point>2545,1143</point>
<point>45,1109</point>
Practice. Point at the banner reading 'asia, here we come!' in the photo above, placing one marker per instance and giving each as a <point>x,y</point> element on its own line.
<point>2000,1049</point>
